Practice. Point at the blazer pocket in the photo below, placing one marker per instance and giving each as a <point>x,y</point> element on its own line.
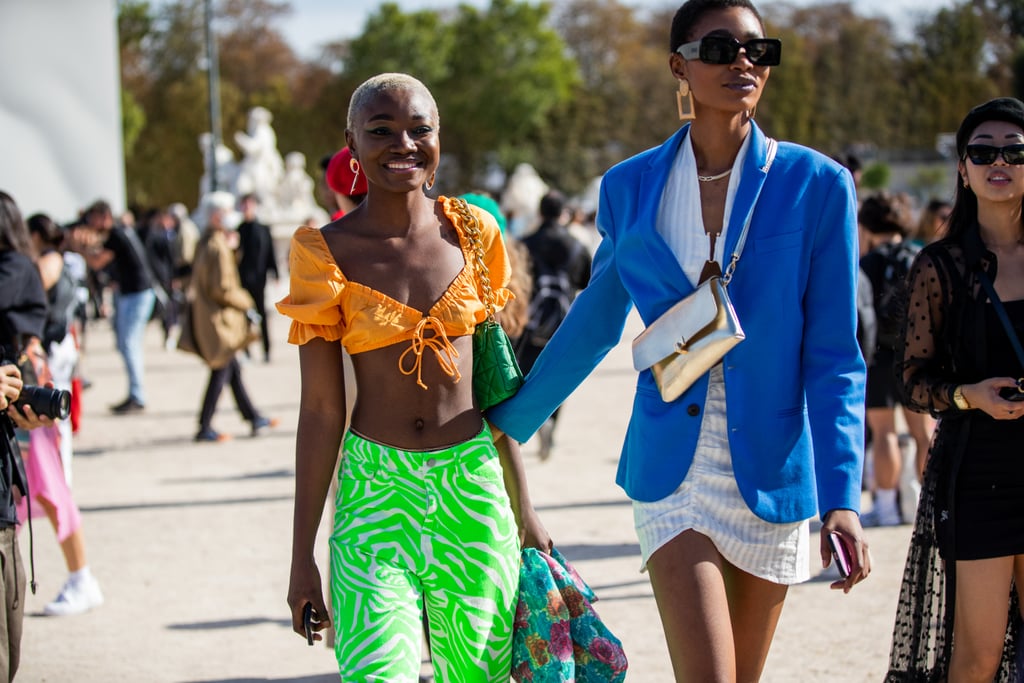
<point>790,412</point>
<point>787,240</point>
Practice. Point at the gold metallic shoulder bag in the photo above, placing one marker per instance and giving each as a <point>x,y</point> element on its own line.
<point>695,334</point>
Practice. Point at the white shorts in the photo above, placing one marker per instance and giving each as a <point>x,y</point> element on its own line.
<point>709,502</point>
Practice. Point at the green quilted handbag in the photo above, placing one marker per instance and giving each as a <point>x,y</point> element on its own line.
<point>496,374</point>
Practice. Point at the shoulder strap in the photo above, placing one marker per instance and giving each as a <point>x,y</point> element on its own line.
<point>140,253</point>
<point>903,252</point>
<point>771,147</point>
<point>471,226</point>
<point>1001,312</point>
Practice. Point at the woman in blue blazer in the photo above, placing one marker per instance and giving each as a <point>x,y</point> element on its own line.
<point>725,478</point>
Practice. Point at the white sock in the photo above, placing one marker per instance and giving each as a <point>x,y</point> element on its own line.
<point>885,501</point>
<point>82,574</point>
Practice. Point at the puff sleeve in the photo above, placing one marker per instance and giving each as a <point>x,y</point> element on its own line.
<point>316,284</point>
<point>496,258</point>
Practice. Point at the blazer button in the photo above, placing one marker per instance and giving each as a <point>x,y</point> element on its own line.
<point>693,410</point>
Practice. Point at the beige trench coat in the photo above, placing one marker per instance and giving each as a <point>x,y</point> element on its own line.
<point>217,304</point>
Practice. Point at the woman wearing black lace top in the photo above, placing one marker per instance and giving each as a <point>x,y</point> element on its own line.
<point>958,363</point>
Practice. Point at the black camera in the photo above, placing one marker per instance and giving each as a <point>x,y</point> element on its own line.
<point>52,403</point>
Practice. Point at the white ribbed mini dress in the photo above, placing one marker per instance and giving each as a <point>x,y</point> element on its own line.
<point>708,500</point>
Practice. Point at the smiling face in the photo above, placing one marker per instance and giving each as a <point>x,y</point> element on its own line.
<point>394,137</point>
<point>731,88</point>
<point>998,181</point>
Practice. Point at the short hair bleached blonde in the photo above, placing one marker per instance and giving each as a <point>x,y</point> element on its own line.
<point>380,83</point>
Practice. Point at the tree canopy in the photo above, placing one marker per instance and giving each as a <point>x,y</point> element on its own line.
<point>570,86</point>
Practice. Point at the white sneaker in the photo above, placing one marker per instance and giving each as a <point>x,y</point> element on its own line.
<point>75,597</point>
<point>876,517</point>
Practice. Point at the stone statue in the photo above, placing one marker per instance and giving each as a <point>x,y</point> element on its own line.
<point>284,191</point>
<point>295,201</point>
<point>224,158</point>
<point>261,169</point>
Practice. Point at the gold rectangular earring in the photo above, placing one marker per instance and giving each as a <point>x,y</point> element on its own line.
<point>684,101</point>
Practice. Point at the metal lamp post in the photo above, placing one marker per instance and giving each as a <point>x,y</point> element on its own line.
<point>213,84</point>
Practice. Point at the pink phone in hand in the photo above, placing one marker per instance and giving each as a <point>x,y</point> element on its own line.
<point>839,554</point>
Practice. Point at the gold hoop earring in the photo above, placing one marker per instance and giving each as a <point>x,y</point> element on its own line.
<point>353,166</point>
<point>686,111</point>
<point>430,183</point>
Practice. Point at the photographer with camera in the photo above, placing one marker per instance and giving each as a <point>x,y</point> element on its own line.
<point>22,319</point>
<point>12,473</point>
<point>12,578</point>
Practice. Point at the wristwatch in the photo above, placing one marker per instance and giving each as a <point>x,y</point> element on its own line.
<point>958,398</point>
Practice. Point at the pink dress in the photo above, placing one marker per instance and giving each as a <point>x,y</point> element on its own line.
<point>44,467</point>
<point>45,473</point>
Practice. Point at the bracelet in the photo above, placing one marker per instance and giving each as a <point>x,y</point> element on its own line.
<point>958,398</point>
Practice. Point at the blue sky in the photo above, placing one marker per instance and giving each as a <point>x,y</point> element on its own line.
<point>314,22</point>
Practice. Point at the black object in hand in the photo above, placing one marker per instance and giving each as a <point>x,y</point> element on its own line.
<point>52,403</point>
<point>307,622</point>
<point>1013,393</point>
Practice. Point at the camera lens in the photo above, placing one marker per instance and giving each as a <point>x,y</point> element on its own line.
<point>52,403</point>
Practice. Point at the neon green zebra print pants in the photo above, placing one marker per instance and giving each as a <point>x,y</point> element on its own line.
<point>415,527</point>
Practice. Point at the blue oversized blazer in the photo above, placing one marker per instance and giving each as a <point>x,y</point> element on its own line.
<point>794,386</point>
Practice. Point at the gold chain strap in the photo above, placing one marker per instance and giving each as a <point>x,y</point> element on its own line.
<point>471,225</point>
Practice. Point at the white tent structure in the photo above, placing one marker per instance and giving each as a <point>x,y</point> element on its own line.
<point>60,106</point>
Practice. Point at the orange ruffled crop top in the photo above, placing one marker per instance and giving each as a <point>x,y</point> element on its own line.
<point>322,302</point>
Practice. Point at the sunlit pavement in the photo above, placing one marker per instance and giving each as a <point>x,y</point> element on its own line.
<point>191,542</point>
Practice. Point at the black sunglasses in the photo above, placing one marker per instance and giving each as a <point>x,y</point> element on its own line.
<point>725,49</point>
<point>983,155</point>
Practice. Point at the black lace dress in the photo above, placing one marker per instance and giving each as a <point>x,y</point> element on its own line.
<point>974,481</point>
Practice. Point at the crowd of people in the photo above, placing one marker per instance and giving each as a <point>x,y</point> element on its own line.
<point>723,486</point>
<point>54,279</point>
<point>861,313</point>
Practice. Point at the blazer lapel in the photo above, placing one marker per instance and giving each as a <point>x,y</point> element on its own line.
<point>754,175</point>
<point>652,184</point>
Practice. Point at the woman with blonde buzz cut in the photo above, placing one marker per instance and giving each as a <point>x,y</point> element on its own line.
<point>429,511</point>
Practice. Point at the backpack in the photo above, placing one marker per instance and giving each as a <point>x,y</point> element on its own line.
<point>554,254</point>
<point>548,307</point>
<point>888,266</point>
<point>63,303</point>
